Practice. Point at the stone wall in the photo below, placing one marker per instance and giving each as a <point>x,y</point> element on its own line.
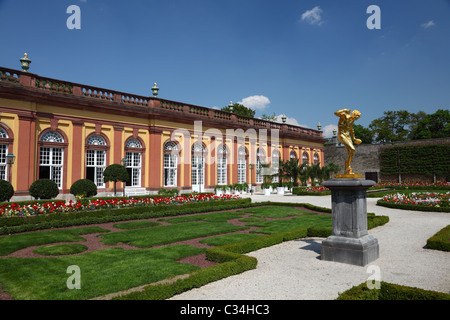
<point>367,162</point>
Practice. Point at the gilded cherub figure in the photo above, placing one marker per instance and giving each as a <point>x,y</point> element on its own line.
<point>346,135</point>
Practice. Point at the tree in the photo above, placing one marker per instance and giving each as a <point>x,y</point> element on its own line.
<point>436,125</point>
<point>362,133</point>
<point>241,110</point>
<point>273,117</point>
<point>393,126</point>
<point>115,173</point>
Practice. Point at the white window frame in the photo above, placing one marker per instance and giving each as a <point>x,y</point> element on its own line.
<point>134,162</point>
<point>3,161</point>
<point>56,168</point>
<point>170,164</point>
<point>222,171</point>
<point>242,165</point>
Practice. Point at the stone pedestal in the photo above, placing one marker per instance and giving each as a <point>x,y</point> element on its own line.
<point>349,243</point>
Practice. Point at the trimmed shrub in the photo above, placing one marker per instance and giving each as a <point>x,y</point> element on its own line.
<point>44,189</point>
<point>441,240</point>
<point>83,187</point>
<point>389,291</point>
<point>6,190</point>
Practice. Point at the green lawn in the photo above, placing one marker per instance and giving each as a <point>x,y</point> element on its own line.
<point>275,211</point>
<point>101,272</point>
<point>148,237</point>
<point>116,269</point>
<point>275,226</point>
<point>209,217</point>
<point>9,244</point>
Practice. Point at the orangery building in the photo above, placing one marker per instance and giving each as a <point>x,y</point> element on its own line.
<point>66,131</point>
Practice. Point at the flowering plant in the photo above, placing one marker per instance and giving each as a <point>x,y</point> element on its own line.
<point>430,199</point>
<point>31,209</point>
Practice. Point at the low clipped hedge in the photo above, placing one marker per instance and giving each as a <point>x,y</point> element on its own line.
<point>389,291</point>
<point>412,207</point>
<point>58,220</point>
<point>441,240</point>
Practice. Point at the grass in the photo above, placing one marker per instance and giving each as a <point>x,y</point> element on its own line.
<point>148,237</point>
<point>276,226</point>
<point>45,278</point>
<point>60,249</point>
<point>275,211</point>
<point>441,240</point>
<point>208,217</point>
<point>9,244</point>
<point>228,239</point>
<point>136,224</point>
<point>101,272</point>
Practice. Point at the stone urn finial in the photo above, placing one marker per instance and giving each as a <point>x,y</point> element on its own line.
<point>25,62</point>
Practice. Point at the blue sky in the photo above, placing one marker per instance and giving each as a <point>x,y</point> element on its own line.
<point>303,58</point>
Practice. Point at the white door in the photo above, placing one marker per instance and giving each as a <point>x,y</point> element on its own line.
<point>198,173</point>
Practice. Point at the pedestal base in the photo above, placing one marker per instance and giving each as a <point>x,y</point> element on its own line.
<point>357,251</point>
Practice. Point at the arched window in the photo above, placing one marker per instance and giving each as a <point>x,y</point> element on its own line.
<point>134,161</point>
<point>293,155</point>
<point>3,154</point>
<point>51,157</point>
<point>170,164</point>
<point>275,164</point>
<point>260,157</point>
<point>96,159</point>
<point>222,165</point>
<point>242,165</point>
<point>316,158</point>
<point>198,167</point>
<point>305,158</point>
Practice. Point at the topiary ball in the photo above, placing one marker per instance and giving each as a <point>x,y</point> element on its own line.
<point>83,187</point>
<point>6,190</point>
<point>44,189</point>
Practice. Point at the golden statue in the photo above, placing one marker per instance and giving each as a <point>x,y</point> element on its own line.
<point>347,137</point>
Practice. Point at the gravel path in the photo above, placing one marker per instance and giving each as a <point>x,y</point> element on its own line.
<point>293,270</point>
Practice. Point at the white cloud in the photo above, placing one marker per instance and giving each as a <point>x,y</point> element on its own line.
<point>428,24</point>
<point>328,130</point>
<point>255,102</point>
<point>313,16</point>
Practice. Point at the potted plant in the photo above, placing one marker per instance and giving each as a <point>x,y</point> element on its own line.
<point>219,190</point>
<point>228,188</point>
<point>266,186</point>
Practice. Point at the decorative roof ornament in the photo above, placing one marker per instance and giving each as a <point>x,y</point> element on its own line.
<point>155,90</point>
<point>25,62</point>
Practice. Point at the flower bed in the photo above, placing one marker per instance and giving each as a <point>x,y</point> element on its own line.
<point>37,208</point>
<point>412,185</point>
<point>313,191</point>
<point>426,201</point>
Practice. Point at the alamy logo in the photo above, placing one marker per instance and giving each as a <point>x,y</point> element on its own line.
<point>74,20</point>
<point>74,281</point>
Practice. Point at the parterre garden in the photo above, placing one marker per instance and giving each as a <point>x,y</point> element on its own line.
<point>121,244</point>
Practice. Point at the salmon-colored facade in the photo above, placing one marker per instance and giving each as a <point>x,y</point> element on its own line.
<point>67,131</point>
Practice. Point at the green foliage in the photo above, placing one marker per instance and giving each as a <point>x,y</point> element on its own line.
<point>436,125</point>
<point>6,190</point>
<point>241,110</point>
<point>44,189</point>
<point>428,160</point>
<point>393,126</point>
<point>389,291</point>
<point>115,173</point>
<point>41,222</point>
<point>441,240</point>
<point>168,192</point>
<point>83,187</point>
